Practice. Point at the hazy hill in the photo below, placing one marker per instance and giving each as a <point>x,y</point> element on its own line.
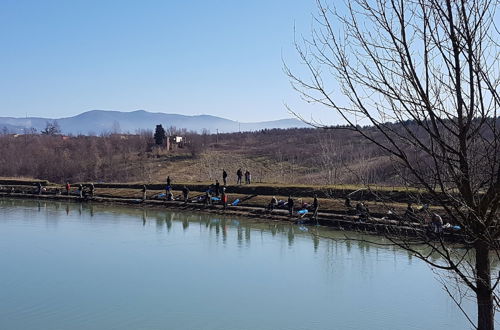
<point>101,121</point>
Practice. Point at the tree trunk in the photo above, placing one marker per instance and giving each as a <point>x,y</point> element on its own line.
<point>485,312</point>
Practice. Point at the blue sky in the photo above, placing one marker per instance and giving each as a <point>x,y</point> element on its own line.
<point>61,58</point>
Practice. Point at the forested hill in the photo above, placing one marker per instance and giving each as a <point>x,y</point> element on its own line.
<point>97,122</point>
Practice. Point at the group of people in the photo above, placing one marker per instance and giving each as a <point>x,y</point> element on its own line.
<point>216,193</point>
<point>239,176</point>
<point>361,209</point>
<point>83,191</point>
<point>214,190</point>
<point>434,221</point>
<point>169,196</point>
<point>211,194</point>
<point>290,205</point>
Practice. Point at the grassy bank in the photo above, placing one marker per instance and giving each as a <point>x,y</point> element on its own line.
<point>331,197</point>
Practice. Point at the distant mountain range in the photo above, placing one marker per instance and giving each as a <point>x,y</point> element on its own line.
<point>101,121</point>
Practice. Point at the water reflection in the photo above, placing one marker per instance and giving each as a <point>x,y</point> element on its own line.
<point>159,223</point>
<point>317,265</point>
<point>247,234</point>
<point>168,219</point>
<point>239,231</point>
<point>222,227</point>
<point>315,241</point>
<point>224,231</point>
<point>291,236</point>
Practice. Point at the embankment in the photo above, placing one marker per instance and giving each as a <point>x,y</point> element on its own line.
<point>332,212</point>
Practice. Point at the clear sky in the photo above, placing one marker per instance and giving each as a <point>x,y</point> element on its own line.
<point>219,57</point>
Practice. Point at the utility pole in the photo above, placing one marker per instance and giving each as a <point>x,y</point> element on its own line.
<point>217,136</point>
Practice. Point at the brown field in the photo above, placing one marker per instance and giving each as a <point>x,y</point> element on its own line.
<point>274,157</point>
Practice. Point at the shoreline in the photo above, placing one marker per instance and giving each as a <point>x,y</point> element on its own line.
<point>336,221</point>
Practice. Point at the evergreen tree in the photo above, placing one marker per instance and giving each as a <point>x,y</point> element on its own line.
<point>159,135</point>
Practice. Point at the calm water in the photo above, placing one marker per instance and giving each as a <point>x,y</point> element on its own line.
<point>72,266</point>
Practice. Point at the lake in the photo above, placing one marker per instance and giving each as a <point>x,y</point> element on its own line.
<point>92,266</point>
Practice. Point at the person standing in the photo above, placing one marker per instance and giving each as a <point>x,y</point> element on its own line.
<point>208,198</point>
<point>239,174</point>
<point>436,223</point>
<point>315,207</point>
<point>185,193</point>
<point>224,198</point>
<point>224,177</point>
<point>347,202</point>
<point>92,188</point>
<point>362,211</point>
<point>167,190</point>
<point>68,187</point>
<point>290,205</point>
<point>410,213</point>
<point>144,192</point>
<point>80,190</point>
<point>217,188</point>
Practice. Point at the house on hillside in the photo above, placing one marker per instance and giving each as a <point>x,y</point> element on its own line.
<point>175,141</point>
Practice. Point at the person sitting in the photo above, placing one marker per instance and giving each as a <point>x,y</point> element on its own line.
<point>347,203</point>
<point>272,204</point>
<point>185,193</point>
<point>290,205</point>
<point>208,198</point>
<point>436,223</point>
<point>362,211</point>
<point>423,208</point>
<point>410,214</point>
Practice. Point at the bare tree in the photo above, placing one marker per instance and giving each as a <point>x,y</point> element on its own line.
<point>424,74</point>
<point>115,127</point>
<point>51,128</point>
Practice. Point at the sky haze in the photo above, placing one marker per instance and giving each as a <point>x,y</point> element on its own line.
<point>223,58</point>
